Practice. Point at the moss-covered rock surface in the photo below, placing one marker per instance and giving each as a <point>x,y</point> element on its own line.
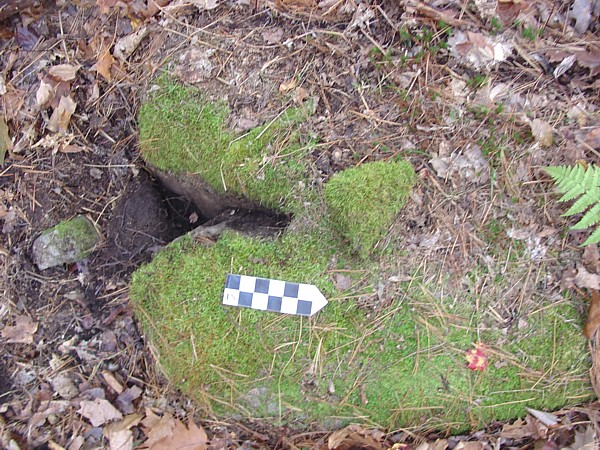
<point>398,361</point>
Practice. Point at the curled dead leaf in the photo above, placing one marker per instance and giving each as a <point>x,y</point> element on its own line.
<point>166,432</point>
<point>21,332</point>
<point>542,132</point>
<point>5,141</point>
<point>99,411</point>
<point>593,320</point>
<point>287,86</point>
<point>593,138</point>
<point>104,65</point>
<point>354,436</point>
<point>61,116</point>
<point>44,94</point>
<point>63,72</point>
<point>127,44</point>
<point>585,279</point>
<point>595,370</point>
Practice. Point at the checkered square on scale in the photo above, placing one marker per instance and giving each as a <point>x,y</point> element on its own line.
<point>269,295</point>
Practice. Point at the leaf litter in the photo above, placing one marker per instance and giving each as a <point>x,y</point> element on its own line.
<point>120,412</point>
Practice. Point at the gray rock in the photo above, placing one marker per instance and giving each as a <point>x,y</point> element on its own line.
<point>68,242</point>
<point>64,386</point>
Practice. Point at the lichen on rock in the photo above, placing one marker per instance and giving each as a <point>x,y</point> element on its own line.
<point>68,242</point>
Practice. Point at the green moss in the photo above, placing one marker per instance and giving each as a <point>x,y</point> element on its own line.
<point>402,365</point>
<point>182,131</point>
<point>408,362</point>
<point>364,200</point>
<point>77,234</point>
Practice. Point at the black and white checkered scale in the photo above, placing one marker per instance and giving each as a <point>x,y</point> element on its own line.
<point>272,295</point>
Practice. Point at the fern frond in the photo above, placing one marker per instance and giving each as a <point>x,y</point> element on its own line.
<point>587,199</point>
<point>583,184</point>
<point>569,180</point>
<point>594,237</point>
<point>592,217</point>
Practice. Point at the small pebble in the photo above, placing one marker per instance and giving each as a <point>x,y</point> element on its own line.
<point>96,173</point>
<point>64,386</point>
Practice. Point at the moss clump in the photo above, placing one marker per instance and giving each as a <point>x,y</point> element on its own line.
<point>68,242</point>
<point>182,131</point>
<point>364,200</point>
<point>402,367</point>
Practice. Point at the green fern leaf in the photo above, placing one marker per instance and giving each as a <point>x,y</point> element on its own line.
<point>594,237</point>
<point>583,184</point>
<point>592,217</point>
<point>587,199</point>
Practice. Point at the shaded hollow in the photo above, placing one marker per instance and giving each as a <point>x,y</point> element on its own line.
<point>150,214</point>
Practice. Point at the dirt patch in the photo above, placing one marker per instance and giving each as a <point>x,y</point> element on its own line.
<point>147,217</point>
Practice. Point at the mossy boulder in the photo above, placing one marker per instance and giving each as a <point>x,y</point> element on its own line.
<point>363,201</point>
<point>67,242</point>
<point>182,132</point>
<point>395,366</point>
<point>401,367</point>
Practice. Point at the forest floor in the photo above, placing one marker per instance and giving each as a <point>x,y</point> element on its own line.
<point>478,96</point>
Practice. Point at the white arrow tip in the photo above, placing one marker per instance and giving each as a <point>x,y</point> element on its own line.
<point>317,299</point>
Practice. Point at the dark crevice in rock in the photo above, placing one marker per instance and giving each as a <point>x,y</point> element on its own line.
<point>157,208</point>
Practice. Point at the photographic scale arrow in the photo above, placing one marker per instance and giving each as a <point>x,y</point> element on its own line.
<point>272,295</point>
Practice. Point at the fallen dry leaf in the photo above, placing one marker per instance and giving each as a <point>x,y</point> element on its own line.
<point>548,419</point>
<point>477,50</point>
<point>287,86</point>
<point>44,94</point>
<point>12,102</point>
<point>61,116</point>
<point>589,60</point>
<point>21,332</point>
<point>516,430</point>
<point>63,72</point>
<point>273,35</point>
<point>105,5</point>
<point>104,64</point>
<point>354,436</point>
<point>595,369</point>
<point>585,439</point>
<point>593,320</point>
<point>119,434</point>
<point>5,141</point>
<point>342,282</point>
<point>581,12</point>
<point>205,4</point>
<point>46,409</point>
<point>127,44</point>
<point>477,357</point>
<point>542,132</point>
<point>471,445</point>
<point>509,10</point>
<point>125,400</point>
<point>593,138</point>
<point>168,433</point>
<point>154,6</point>
<point>99,411</point>
<point>587,280</point>
<point>114,384</point>
<point>71,148</point>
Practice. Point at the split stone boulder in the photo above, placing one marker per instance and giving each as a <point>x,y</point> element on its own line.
<point>68,242</point>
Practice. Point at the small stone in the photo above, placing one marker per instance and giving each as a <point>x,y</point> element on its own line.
<point>68,242</point>
<point>64,386</point>
<point>96,173</point>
